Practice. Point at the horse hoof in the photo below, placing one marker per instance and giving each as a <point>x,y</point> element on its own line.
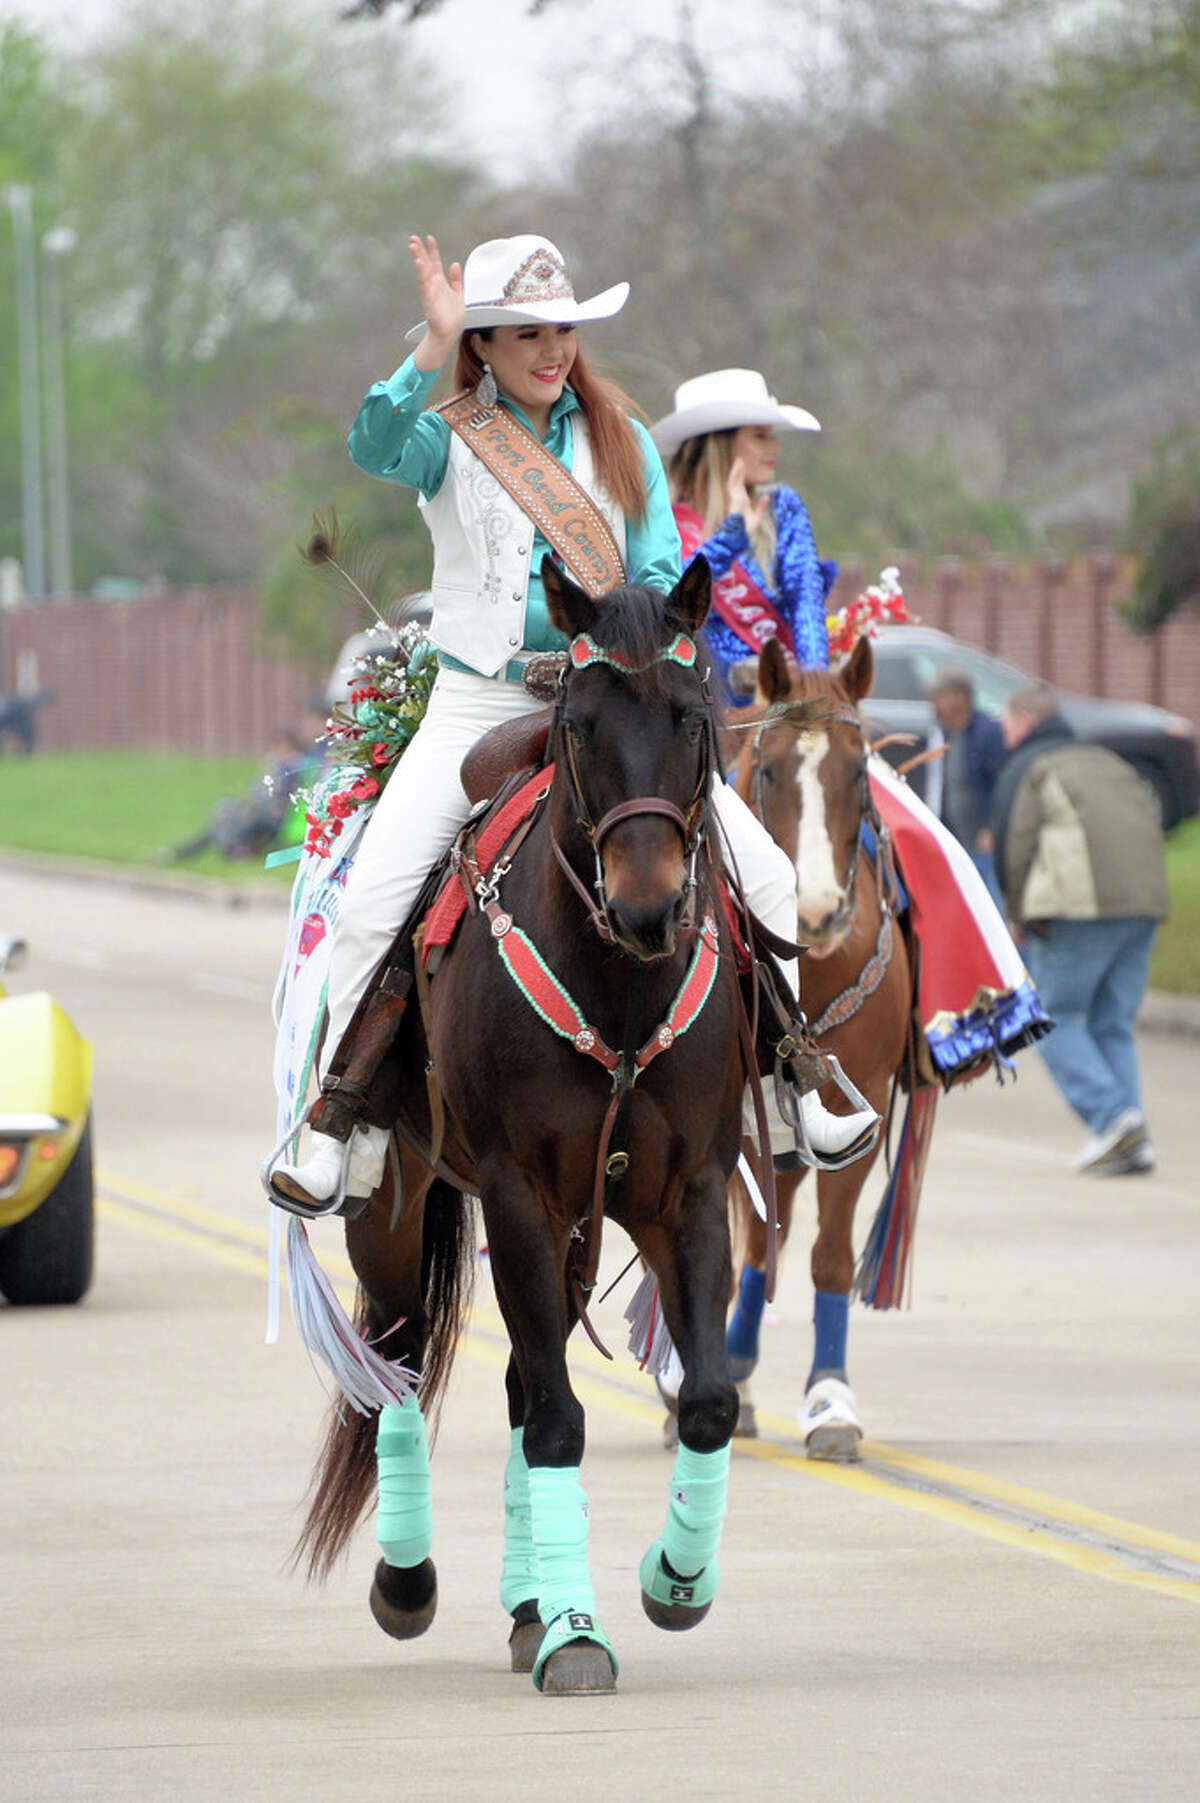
<point>404,1599</point>
<point>746,1426</point>
<point>829,1422</point>
<point>526,1638</point>
<point>836,1445</point>
<point>671,1433</point>
<point>579,1669</point>
<point>676,1618</point>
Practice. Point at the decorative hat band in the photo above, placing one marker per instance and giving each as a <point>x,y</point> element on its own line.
<point>585,651</point>
<point>541,277</point>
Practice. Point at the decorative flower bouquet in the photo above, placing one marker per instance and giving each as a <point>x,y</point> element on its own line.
<point>880,605</point>
<point>367,735</point>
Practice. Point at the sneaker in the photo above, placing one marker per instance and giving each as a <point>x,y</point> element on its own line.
<point>1137,1162</point>
<point>1117,1140</point>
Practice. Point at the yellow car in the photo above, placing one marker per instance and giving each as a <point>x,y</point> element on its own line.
<point>47,1204</point>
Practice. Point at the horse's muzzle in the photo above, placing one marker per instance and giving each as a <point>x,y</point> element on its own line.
<point>823,921</point>
<point>645,877</point>
<point>646,934</point>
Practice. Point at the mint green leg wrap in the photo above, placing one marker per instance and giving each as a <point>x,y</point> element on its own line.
<point>566,1601</point>
<point>695,1516</point>
<point>519,1573</point>
<point>404,1524</point>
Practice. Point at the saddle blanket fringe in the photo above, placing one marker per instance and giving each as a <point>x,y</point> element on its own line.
<point>649,1337</point>
<point>883,1274</point>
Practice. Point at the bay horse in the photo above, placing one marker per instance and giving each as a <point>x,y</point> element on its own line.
<point>599,947</point>
<point>804,772</point>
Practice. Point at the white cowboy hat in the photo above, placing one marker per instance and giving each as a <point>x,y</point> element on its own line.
<point>722,400</point>
<point>524,281</point>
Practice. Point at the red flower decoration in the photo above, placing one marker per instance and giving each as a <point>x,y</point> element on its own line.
<point>364,789</point>
<point>380,754</point>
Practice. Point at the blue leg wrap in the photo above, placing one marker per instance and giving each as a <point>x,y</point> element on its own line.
<point>741,1336</point>
<point>831,1323</point>
<point>682,1566</point>
<point>519,1573</point>
<point>566,1601</point>
<point>404,1524</point>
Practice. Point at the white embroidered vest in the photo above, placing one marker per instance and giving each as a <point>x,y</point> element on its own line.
<point>483,550</point>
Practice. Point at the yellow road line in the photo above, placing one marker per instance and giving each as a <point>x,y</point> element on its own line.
<point>244,1246</point>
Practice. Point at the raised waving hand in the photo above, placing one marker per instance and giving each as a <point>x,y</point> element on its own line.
<point>441,300</point>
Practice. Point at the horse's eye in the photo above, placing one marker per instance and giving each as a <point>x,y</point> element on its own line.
<point>693,726</point>
<point>770,774</point>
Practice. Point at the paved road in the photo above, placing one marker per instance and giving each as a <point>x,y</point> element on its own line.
<point>999,1604</point>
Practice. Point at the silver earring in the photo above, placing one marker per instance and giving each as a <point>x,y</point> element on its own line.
<point>485,393</point>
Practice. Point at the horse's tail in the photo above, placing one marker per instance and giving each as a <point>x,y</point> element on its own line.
<point>448,1273</point>
<point>344,1478</point>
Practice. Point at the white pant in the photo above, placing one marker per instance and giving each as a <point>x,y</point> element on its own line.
<point>423,807</point>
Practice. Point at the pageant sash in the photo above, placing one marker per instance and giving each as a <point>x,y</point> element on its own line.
<point>563,512</point>
<point>737,598</point>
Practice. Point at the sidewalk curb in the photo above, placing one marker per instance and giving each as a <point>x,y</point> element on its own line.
<point>139,878</point>
<point>1160,1012</point>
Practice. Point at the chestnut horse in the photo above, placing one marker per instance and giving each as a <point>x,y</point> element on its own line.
<point>808,783</point>
<point>604,931</point>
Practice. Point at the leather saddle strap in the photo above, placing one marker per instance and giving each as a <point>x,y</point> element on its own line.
<point>563,512</point>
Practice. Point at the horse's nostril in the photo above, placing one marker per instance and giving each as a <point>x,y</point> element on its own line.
<point>647,933</point>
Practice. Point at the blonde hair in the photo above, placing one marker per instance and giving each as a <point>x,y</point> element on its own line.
<point>699,477</point>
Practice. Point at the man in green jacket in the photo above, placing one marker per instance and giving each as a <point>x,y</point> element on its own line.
<point>1079,857</point>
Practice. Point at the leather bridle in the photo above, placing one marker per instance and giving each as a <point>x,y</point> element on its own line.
<point>804,716</point>
<point>690,822</point>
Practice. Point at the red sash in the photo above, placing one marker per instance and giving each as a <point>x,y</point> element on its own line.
<point>737,598</point>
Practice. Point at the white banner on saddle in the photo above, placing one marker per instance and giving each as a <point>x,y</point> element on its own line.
<point>303,983</point>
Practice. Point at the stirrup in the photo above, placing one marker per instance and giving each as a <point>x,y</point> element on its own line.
<point>789,1107</point>
<point>311,1211</point>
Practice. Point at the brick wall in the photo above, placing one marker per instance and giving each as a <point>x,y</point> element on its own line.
<point>183,672</point>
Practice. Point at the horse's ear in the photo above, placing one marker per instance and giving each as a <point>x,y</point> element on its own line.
<point>571,608</point>
<point>858,671</point>
<point>774,682</point>
<point>690,599</point>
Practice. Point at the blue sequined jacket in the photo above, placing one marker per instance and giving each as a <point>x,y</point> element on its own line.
<point>799,589</point>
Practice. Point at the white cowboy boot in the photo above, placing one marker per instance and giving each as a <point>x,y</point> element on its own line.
<point>836,1136</point>
<point>319,1178</point>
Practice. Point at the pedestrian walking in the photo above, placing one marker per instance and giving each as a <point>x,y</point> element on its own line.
<point>974,753</point>
<point>1079,857</point>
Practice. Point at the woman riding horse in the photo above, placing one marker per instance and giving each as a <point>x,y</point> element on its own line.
<point>770,584</point>
<point>509,318</point>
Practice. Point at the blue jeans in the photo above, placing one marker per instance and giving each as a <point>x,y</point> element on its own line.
<point>1091,976</point>
<point>985,864</point>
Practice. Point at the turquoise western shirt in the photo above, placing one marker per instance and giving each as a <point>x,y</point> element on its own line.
<point>396,437</point>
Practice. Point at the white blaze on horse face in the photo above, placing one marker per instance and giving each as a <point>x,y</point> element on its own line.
<point>818,891</point>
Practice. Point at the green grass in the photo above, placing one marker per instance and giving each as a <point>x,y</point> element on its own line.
<point>122,807</point>
<point>125,806</point>
<point>1176,963</point>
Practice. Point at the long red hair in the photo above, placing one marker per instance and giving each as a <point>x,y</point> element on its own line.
<point>606,407</point>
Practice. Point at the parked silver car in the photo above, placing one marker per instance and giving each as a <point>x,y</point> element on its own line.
<point>1160,745</point>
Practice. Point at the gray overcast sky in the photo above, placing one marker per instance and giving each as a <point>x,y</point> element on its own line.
<point>500,64</point>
